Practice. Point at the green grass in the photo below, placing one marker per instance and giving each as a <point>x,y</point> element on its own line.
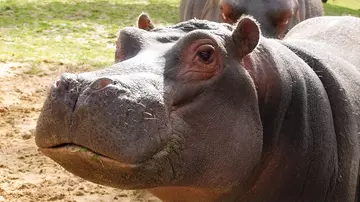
<point>342,7</point>
<point>83,32</point>
<point>353,4</point>
<point>34,70</point>
<point>72,31</point>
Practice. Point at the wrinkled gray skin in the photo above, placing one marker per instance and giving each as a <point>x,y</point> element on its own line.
<point>199,9</point>
<point>202,111</point>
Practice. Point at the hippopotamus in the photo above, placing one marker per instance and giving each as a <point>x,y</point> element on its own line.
<point>276,17</point>
<point>207,111</point>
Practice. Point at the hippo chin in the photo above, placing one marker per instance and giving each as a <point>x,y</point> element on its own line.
<point>205,111</point>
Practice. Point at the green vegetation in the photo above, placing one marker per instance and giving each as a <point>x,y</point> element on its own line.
<point>34,70</point>
<point>71,31</point>
<point>342,7</point>
<point>83,32</point>
<point>353,4</point>
<point>81,149</point>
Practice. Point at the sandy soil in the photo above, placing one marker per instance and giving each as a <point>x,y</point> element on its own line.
<point>26,174</point>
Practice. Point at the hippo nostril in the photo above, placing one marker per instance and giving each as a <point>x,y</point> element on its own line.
<point>57,83</point>
<point>65,88</point>
<point>65,82</point>
<point>101,83</point>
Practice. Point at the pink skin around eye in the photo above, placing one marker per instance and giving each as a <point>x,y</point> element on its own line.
<point>195,68</point>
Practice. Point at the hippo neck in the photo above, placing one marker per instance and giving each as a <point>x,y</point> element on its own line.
<point>271,93</point>
<point>291,97</point>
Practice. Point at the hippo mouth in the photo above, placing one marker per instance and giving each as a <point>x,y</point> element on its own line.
<point>107,171</point>
<point>116,135</point>
<point>82,153</point>
<point>95,167</point>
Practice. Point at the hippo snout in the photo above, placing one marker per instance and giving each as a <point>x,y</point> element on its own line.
<point>107,115</point>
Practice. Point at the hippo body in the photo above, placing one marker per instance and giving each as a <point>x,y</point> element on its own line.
<point>199,9</point>
<point>203,111</point>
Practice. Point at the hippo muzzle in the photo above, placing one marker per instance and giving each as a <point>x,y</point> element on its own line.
<point>119,121</point>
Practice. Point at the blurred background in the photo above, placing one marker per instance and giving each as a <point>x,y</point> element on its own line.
<point>39,40</point>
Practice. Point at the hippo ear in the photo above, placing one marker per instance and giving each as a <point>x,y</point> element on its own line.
<point>246,35</point>
<point>144,22</point>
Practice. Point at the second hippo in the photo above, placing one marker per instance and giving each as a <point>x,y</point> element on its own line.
<point>276,17</point>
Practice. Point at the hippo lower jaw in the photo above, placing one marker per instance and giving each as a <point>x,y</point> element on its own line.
<point>91,166</point>
<point>65,150</point>
<point>100,169</point>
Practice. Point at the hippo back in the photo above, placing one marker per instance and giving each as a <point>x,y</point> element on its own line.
<point>328,30</point>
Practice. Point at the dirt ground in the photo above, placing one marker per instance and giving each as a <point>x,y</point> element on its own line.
<point>26,174</point>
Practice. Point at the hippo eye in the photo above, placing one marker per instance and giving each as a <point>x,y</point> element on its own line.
<point>205,53</point>
<point>283,21</point>
<point>199,61</point>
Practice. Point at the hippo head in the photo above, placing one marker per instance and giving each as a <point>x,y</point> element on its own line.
<point>274,16</point>
<point>177,109</point>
